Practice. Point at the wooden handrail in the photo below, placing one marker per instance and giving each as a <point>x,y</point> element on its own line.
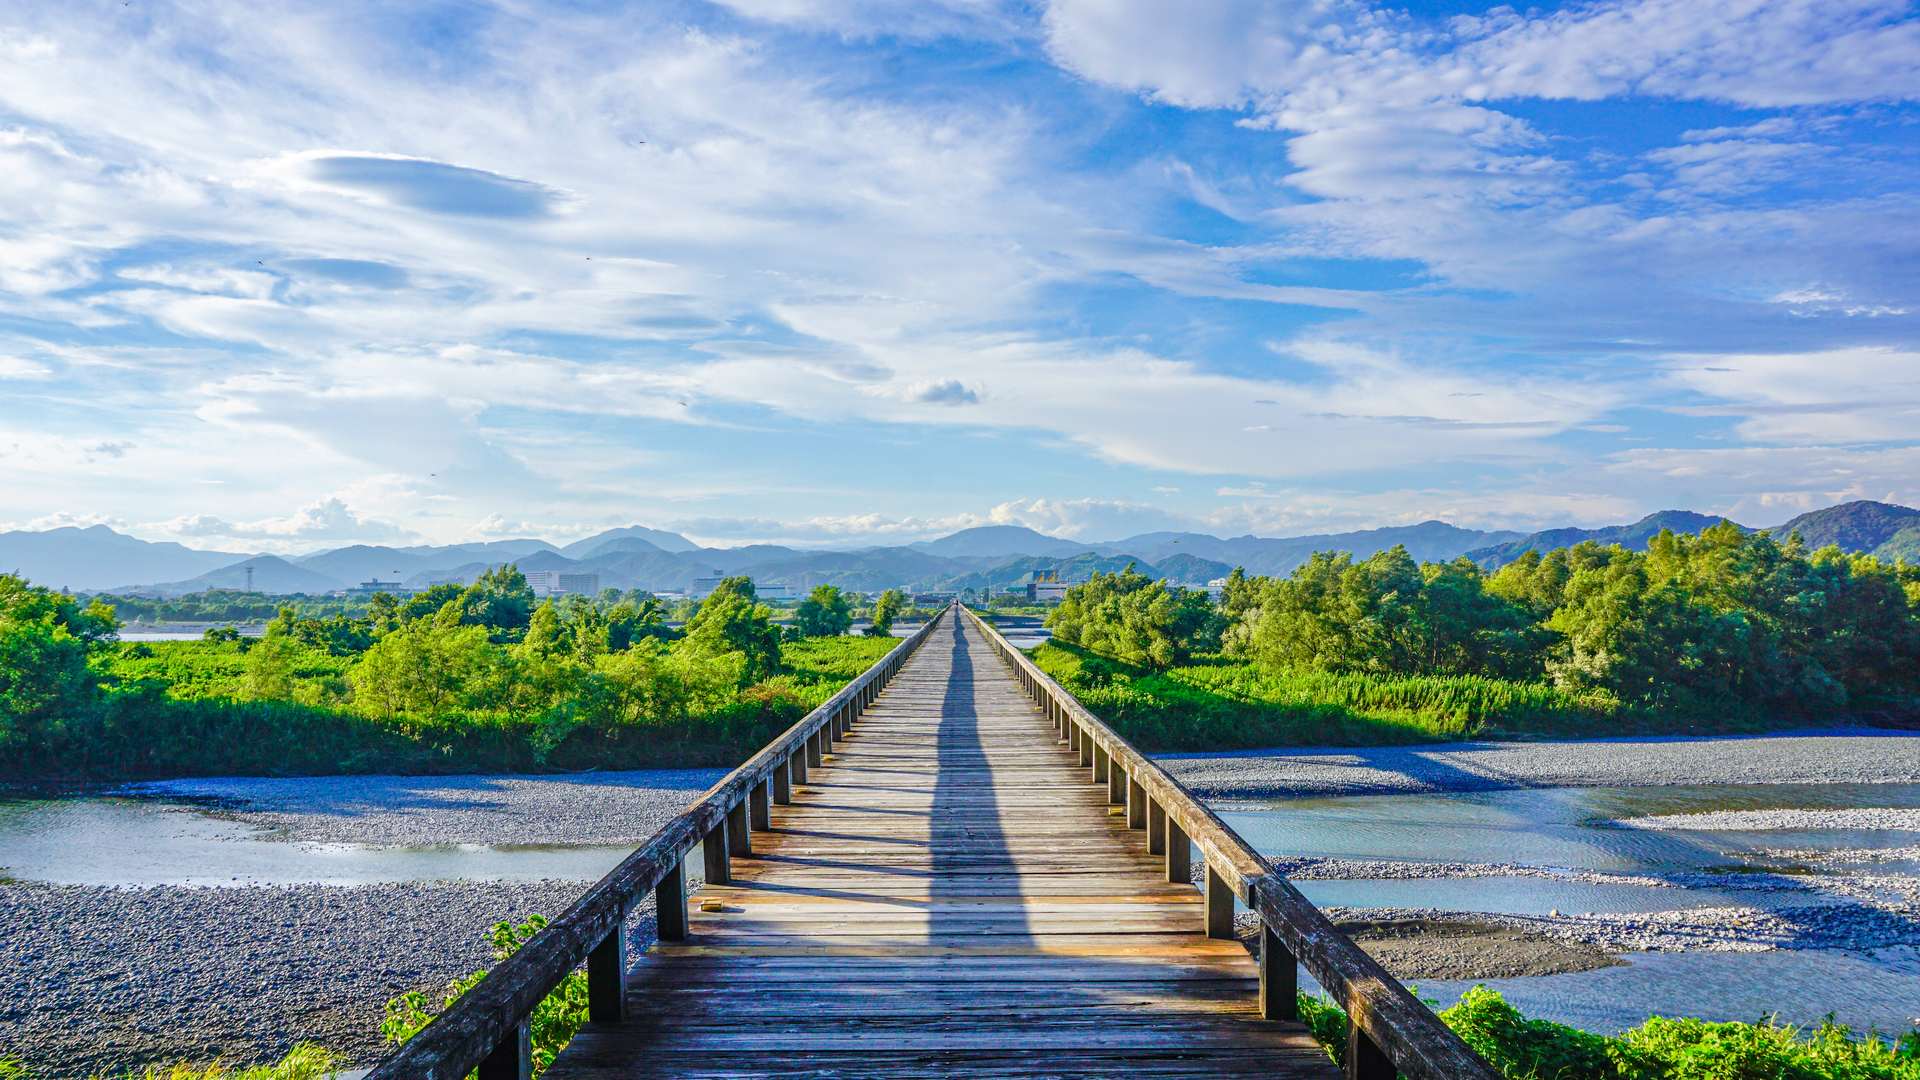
<point>486,1029</point>
<point>1389,1030</point>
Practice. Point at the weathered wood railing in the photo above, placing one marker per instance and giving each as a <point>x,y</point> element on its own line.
<point>486,1029</point>
<point>1389,1031</point>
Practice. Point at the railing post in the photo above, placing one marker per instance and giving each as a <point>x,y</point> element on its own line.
<point>814,750</point>
<point>739,835</point>
<point>1116,782</point>
<point>1179,854</point>
<point>513,1058</point>
<point>1219,906</point>
<point>607,978</point>
<point>670,903</point>
<point>1100,763</point>
<point>783,782</point>
<point>1279,978</point>
<point>1136,804</point>
<point>1073,739</point>
<point>1156,827</point>
<point>714,846</point>
<point>797,766</point>
<point>759,808</point>
<point>1086,745</point>
<point>1365,1059</point>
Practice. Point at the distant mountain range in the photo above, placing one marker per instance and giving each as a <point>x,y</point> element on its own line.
<point>1870,528</point>
<point>99,559</point>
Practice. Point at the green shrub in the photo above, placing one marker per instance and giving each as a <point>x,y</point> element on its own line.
<point>1660,1049</point>
<point>553,1023</point>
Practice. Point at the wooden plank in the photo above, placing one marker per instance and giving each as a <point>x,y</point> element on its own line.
<point>947,893</point>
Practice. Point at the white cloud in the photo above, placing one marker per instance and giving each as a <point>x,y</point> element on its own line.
<point>326,521</point>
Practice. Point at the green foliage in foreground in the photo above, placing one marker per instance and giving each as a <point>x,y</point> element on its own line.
<point>1660,1049</point>
<point>1221,704</point>
<point>554,1020</point>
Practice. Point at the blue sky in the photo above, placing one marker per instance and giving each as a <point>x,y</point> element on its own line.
<point>831,272</point>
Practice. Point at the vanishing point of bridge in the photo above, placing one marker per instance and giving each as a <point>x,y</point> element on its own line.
<point>978,878</point>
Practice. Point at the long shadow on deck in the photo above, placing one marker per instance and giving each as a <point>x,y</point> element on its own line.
<point>966,836</point>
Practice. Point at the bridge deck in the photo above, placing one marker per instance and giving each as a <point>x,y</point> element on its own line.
<point>947,895</point>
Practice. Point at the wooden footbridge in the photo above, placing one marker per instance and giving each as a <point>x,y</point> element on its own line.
<point>949,869</point>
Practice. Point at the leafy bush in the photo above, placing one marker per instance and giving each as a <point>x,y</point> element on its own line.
<point>1660,1049</point>
<point>553,1023</point>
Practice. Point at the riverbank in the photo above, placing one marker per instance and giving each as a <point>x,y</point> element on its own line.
<point>1815,756</point>
<point>100,981</point>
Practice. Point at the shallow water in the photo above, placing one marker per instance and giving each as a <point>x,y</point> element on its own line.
<point>127,842</point>
<point>1573,830</point>
<point>1569,828</point>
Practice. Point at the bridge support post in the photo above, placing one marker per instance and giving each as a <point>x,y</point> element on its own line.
<point>1136,804</point>
<point>1279,978</point>
<point>1101,763</point>
<point>1179,854</point>
<point>1073,739</point>
<point>783,782</point>
<point>513,1058</point>
<point>1365,1059</point>
<point>714,846</point>
<point>739,835</point>
<point>1219,907</point>
<point>607,979</point>
<point>1116,782</point>
<point>1086,746</point>
<point>797,766</point>
<point>759,810</point>
<point>814,750</point>
<point>670,901</point>
<point>1156,828</point>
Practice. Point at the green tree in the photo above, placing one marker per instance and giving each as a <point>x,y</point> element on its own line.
<point>428,603</point>
<point>825,612</point>
<point>46,640</point>
<point>1135,618</point>
<point>429,667</point>
<point>730,621</point>
<point>886,609</point>
<point>500,600</point>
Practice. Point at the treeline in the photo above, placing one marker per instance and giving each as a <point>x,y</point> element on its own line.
<point>456,678</point>
<point>1722,628</point>
<point>224,605</point>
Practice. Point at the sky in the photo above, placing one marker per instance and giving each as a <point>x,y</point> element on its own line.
<point>280,276</point>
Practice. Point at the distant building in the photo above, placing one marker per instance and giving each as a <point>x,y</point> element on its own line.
<point>561,583</point>
<point>774,590</point>
<point>1216,589</point>
<point>1050,592</point>
<point>368,588</point>
<point>933,599</point>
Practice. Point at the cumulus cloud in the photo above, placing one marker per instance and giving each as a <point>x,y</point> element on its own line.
<point>761,270</point>
<point>328,520</point>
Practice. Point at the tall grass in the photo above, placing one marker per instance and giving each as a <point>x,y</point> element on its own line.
<point>1230,706</point>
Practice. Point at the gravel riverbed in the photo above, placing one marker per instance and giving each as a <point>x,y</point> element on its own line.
<point>1837,756</point>
<point>102,980</point>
